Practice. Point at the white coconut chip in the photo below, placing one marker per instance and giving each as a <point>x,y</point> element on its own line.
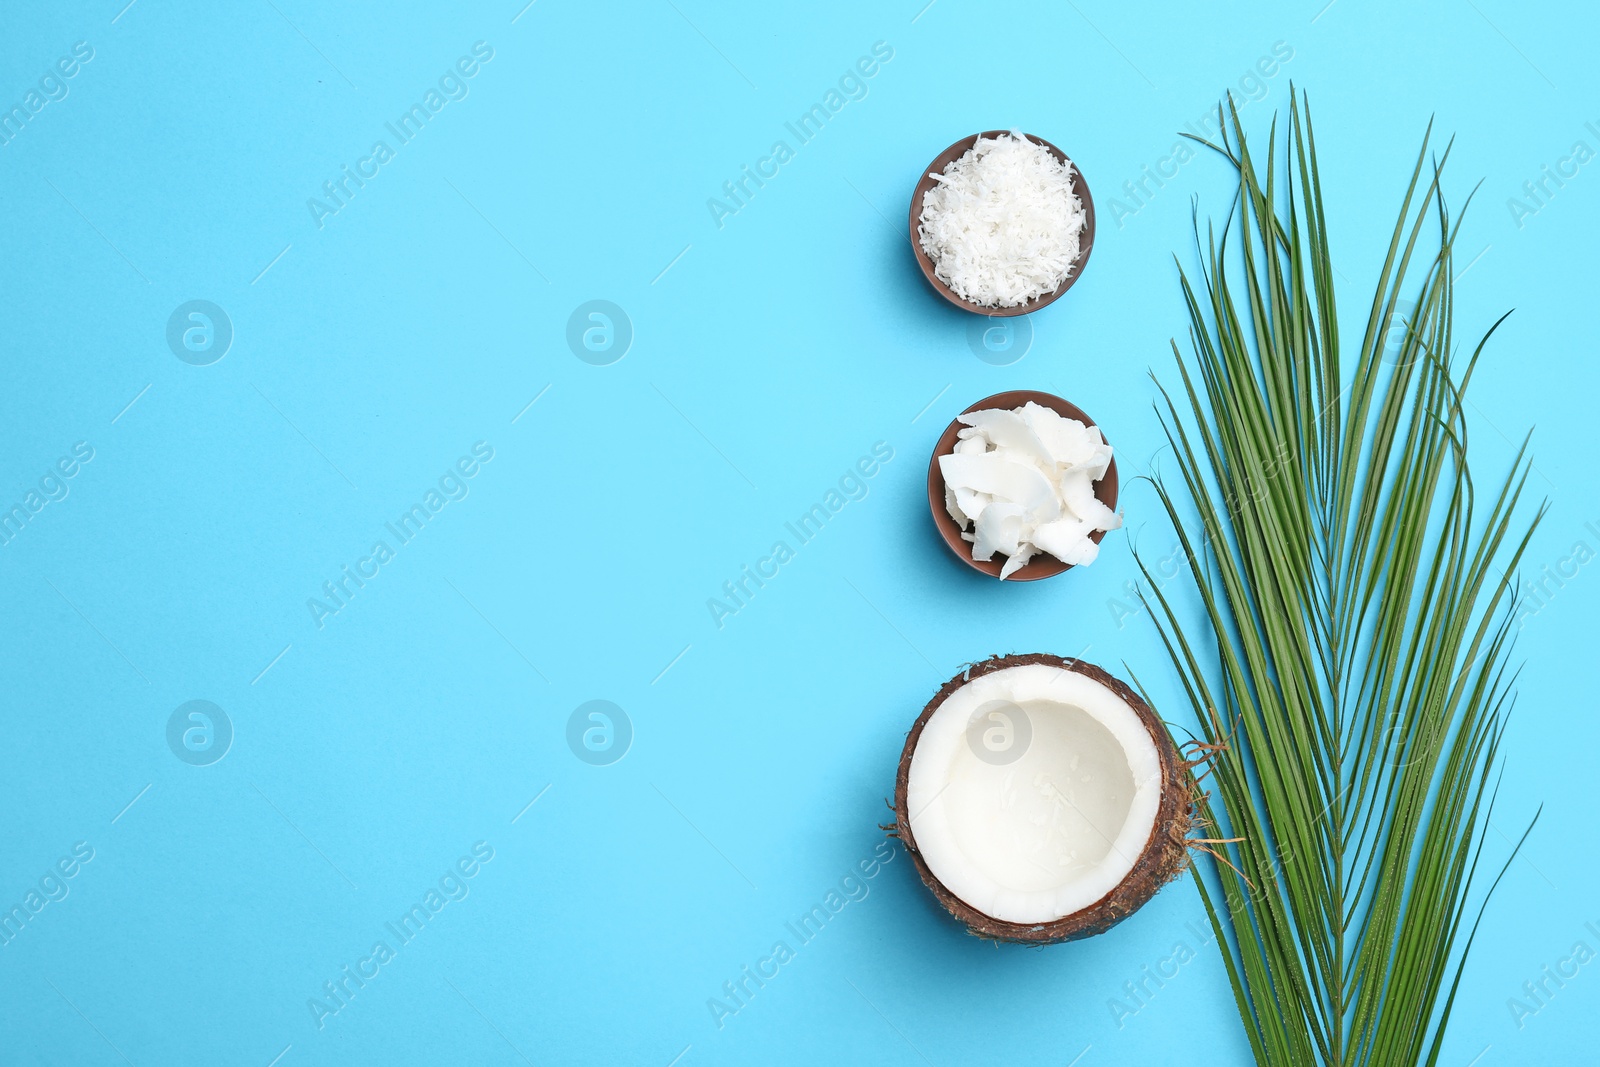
<point>953,506</point>
<point>1021,482</point>
<point>999,529</point>
<point>973,445</point>
<point>1005,479</point>
<point>1067,540</point>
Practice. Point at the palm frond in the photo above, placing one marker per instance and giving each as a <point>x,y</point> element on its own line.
<point>1349,654</point>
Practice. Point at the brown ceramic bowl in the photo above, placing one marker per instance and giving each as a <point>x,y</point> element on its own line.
<point>1043,565</point>
<point>1085,243</point>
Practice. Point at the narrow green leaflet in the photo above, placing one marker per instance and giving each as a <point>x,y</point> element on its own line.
<point>1347,659</point>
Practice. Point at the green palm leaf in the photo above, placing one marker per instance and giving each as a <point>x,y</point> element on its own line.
<point>1348,661</point>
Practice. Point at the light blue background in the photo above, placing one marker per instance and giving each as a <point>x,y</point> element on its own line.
<point>425,316</point>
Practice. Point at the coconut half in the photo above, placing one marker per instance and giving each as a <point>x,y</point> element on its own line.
<point>1041,799</point>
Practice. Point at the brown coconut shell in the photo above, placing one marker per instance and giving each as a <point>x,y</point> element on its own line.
<point>1163,858</point>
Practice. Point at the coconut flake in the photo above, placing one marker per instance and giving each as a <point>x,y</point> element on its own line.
<point>1005,479</point>
<point>972,446</point>
<point>1002,224</point>
<point>998,529</point>
<point>953,506</point>
<point>971,503</point>
<point>1067,540</point>
<point>1007,429</point>
<point>1017,560</point>
<point>1022,482</point>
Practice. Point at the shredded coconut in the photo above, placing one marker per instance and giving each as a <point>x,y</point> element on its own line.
<point>1002,224</point>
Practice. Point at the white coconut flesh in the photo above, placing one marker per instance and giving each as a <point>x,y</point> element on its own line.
<point>1035,816</point>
